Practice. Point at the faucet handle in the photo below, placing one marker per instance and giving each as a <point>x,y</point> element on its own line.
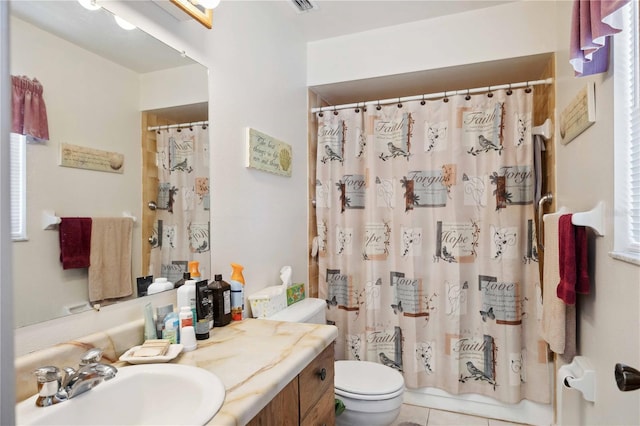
<point>92,356</point>
<point>47,374</point>
<point>49,379</point>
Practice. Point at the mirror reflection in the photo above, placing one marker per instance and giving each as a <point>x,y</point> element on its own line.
<point>103,87</point>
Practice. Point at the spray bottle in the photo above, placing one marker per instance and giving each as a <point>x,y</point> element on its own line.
<point>237,292</point>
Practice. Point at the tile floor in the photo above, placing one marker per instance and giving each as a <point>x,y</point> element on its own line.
<point>411,415</point>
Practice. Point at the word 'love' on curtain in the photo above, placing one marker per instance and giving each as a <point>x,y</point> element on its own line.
<point>427,246</point>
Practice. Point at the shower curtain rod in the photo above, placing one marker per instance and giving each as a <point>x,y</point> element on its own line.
<point>434,95</point>
<point>181,125</point>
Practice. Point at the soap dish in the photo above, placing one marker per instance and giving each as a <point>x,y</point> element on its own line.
<point>173,351</point>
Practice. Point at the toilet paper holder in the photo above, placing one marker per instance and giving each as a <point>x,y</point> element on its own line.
<point>579,375</point>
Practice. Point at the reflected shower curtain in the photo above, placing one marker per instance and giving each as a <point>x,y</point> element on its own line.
<point>181,230</point>
<point>426,235</point>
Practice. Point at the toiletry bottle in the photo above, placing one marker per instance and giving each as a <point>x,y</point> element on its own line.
<point>171,327</point>
<point>237,292</point>
<point>149,325</point>
<point>204,311</point>
<point>161,313</point>
<point>160,284</point>
<point>221,301</point>
<point>187,296</point>
<point>194,270</point>
<point>186,317</point>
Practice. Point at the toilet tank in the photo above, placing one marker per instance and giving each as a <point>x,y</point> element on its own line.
<point>307,310</point>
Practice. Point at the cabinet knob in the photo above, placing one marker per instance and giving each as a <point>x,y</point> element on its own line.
<point>322,373</point>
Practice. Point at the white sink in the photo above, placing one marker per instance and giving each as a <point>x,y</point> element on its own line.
<point>150,394</point>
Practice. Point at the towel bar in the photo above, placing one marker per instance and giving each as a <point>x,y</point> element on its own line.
<point>51,221</point>
<point>546,198</point>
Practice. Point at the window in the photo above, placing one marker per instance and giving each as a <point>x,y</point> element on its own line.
<point>18,166</point>
<point>627,138</point>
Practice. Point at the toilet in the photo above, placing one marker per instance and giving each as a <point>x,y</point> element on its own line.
<point>372,393</point>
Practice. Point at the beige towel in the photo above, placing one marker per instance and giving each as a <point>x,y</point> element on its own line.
<point>558,323</point>
<point>110,269</point>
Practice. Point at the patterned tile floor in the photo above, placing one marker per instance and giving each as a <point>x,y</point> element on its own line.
<point>411,415</point>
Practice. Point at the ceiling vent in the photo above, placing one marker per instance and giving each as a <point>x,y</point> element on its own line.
<point>303,6</point>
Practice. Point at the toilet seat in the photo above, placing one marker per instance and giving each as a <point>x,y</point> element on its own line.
<point>367,381</point>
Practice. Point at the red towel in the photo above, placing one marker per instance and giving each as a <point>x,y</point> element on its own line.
<point>75,242</point>
<point>572,254</point>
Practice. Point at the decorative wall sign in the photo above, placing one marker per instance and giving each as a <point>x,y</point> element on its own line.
<point>579,115</point>
<point>268,154</point>
<point>91,159</point>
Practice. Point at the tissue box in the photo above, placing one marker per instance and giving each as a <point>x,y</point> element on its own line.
<point>295,293</point>
<point>268,301</point>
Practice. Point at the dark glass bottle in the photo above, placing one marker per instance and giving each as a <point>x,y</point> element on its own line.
<point>221,294</point>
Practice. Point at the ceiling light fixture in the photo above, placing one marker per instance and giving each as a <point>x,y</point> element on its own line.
<point>90,4</point>
<point>124,24</point>
<point>209,4</point>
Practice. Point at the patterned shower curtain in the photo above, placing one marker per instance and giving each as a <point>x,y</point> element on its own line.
<point>427,256</point>
<point>181,230</point>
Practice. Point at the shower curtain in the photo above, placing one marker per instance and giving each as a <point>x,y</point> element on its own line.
<point>427,252</point>
<point>181,229</point>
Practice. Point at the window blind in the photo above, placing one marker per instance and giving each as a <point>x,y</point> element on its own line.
<point>633,129</point>
<point>18,181</point>
<point>627,137</point>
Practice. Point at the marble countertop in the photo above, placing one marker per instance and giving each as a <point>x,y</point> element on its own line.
<point>255,360</point>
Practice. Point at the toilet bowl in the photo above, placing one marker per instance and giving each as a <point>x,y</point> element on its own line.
<point>372,393</point>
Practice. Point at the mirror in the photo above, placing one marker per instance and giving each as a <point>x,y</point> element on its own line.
<point>98,79</point>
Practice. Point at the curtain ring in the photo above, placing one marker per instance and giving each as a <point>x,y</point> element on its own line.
<point>509,91</point>
<point>179,129</point>
<point>528,89</point>
<point>468,97</point>
<point>204,126</point>
<point>399,103</point>
<point>334,110</point>
<point>320,114</point>
<point>422,102</point>
<point>158,131</point>
<point>445,99</point>
<point>357,107</point>
<point>378,107</point>
<point>490,94</point>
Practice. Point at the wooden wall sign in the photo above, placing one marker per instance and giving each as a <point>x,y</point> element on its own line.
<point>81,157</point>
<point>579,115</point>
<point>268,154</point>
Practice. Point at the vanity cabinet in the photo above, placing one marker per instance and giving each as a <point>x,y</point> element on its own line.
<point>307,400</point>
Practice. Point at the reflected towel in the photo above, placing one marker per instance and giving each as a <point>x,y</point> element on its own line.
<point>75,242</point>
<point>110,270</point>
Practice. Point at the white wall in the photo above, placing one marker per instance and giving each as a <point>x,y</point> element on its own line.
<point>7,374</point>
<point>608,318</point>
<point>512,30</point>
<point>188,85</point>
<point>93,103</point>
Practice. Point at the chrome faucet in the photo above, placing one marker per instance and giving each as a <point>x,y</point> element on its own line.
<point>56,386</point>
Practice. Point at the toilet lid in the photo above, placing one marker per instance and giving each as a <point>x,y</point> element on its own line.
<point>367,378</point>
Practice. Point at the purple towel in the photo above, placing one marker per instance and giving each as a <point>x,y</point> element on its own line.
<point>75,242</point>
